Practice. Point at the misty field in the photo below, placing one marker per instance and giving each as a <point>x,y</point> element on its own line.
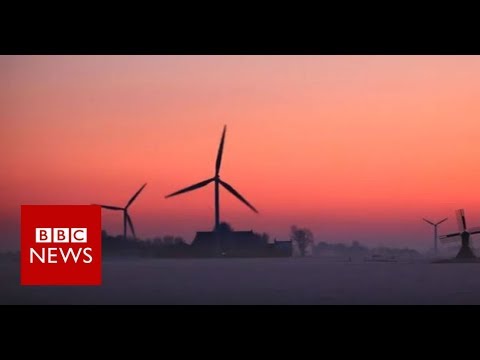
<point>257,281</point>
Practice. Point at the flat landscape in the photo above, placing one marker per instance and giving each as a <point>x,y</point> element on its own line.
<point>257,281</point>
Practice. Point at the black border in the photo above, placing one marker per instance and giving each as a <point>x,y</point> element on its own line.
<point>363,331</point>
<point>336,316</point>
<point>314,31</point>
<point>378,44</point>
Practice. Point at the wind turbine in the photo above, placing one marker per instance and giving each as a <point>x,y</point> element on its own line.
<point>216,179</point>
<point>435,231</point>
<point>465,250</point>
<point>126,216</point>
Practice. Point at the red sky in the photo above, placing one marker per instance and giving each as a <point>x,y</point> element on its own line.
<point>353,147</point>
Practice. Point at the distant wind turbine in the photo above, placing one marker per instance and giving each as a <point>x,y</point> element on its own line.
<point>126,216</point>
<point>435,237</point>
<point>216,179</point>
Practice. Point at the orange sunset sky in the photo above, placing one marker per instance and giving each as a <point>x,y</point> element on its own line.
<point>353,147</point>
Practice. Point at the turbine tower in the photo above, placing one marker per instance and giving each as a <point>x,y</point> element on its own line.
<point>126,216</point>
<point>217,181</point>
<point>465,250</point>
<point>435,231</point>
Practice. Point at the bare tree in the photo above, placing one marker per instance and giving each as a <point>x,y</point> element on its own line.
<point>303,237</point>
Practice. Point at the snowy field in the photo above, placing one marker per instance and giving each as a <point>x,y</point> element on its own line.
<point>257,281</point>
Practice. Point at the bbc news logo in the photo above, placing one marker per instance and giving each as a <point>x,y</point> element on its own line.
<point>61,245</point>
<point>61,236</point>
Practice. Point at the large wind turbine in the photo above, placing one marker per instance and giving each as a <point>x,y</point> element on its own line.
<point>216,179</point>
<point>126,217</point>
<point>435,237</point>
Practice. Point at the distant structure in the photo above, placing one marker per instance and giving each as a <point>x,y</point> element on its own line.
<point>435,237</point>
<point>228,243</point>
<point>216,179</point>
<point>235,243</point>
<point>126,216</point>
<point>465,249</point>
<point>282,248</point>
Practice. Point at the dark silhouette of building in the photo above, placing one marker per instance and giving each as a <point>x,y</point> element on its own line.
<point>237,244</point>
<point>225,242</point>
<point>282,248</point>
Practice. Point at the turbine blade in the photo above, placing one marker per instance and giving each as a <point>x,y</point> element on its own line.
<point>135,196</point>
<point>131,225</point>
<point>449,235</point>
<point>474,232</point>
<point>462,225</point>
<point>441,221</point>
<point>190,188</point>
<point>220,152</point>
<point>109,207</point>
<point>431,223</point>
<point>448,241</point>
<point>237,194</point>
